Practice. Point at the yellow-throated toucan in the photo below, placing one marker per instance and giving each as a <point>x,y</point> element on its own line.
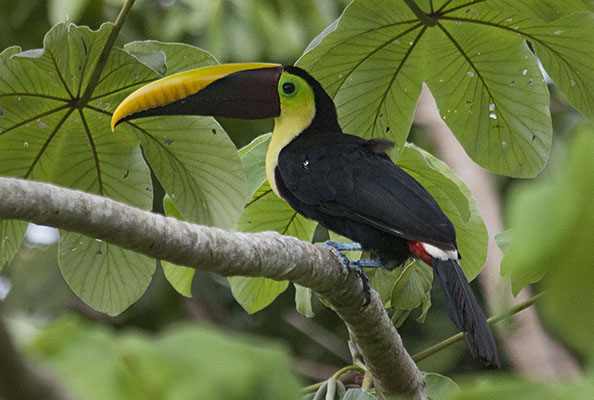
<point>346,183</point>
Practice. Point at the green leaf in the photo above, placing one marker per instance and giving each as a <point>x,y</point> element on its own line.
<point>504,240</point>
<point>47,133</point>
<point>383,281</point>
<point>106,277</point>
<point>266,211</point>
<point>490,91</point>
<point>303,301</point>
<point>412,288</point>
<point>366,65</point>
<point>457,203</point>
<point>11,236</point>
<point>178,276</point>
<point>439,387</point>
<point>193,158</point>
<point>254,294</point>
<point>566,49</point>
<point>50,131</point>
<point>198,166</point>
<point>476,62</point>
<point>253,159</point>
<point>553,226</point>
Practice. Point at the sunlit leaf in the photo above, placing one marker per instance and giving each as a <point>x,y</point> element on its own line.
<point>62,10</point>
<point>54,128</point>
<point>367,65</point>
<point>476,62</point>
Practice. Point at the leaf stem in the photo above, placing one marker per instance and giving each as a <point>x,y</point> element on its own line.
<point>456,338</point>
<point>421,15</point>
<point>102,60</point>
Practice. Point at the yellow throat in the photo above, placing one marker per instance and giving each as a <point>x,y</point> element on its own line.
<point>297,113</point>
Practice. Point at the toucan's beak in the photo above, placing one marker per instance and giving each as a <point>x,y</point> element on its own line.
<point>245,90</point>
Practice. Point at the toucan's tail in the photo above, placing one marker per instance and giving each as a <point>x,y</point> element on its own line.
<point>464,310</point>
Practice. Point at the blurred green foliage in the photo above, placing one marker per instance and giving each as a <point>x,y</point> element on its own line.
<point>185,361</point>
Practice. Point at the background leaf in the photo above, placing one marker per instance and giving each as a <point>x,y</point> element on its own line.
<point>182,362</point>
<point>439,387</point>
<point>266,211</point>
<point>107,277</point>
<point>11,235</point>
<point>303,301</point>
<point>254,294</point>
<point>178,276</point>
<point>457,203</point>
<point>553,230</point>
<point>253,158</point>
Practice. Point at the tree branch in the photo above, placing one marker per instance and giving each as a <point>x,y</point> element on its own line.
<point>264,254</point>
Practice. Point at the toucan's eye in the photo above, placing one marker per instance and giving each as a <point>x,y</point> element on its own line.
<point>288,87</point>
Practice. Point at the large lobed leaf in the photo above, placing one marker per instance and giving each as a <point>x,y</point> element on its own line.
<point>476,62</point>
<point>55,128</point>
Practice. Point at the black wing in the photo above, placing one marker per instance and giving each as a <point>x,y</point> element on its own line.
<point>352,180</point>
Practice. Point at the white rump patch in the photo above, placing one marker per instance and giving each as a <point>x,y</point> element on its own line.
<point>440,254</point>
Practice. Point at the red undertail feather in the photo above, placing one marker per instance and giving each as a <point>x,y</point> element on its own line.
<point>418,250</point>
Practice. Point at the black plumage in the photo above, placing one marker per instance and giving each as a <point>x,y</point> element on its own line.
<point>350,186</point>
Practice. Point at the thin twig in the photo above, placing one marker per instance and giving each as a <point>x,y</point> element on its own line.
<point>456,338</point>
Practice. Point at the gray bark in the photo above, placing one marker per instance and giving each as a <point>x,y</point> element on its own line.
<point>265,254</point>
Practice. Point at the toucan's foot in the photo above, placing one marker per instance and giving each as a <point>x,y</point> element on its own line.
<point>356,266</point>
<point>342,246</point>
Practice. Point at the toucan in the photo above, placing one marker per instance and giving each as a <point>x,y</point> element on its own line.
<point>344,182</point>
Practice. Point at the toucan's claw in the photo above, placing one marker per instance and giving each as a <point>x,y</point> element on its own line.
<point>356,266</point>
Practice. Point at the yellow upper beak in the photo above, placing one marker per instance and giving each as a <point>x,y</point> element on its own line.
<point>242,90</point>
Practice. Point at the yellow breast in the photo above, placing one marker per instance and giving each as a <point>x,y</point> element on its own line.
<point>286,128</point>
